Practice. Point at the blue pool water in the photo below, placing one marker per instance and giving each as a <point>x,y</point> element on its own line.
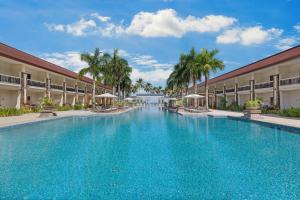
<point>148,154</point>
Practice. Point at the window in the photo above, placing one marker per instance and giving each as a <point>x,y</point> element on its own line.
<point>28,98</point>
<point>271,78</point>
<point>28,76</point>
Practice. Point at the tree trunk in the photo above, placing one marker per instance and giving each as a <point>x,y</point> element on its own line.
<point>206,92</point>
<point>119,92</point>
<point>94,93</point>
<point>195,86</point>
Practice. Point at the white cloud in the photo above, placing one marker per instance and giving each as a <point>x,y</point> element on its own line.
<point>286,43</point>
<point>100,17</point>
<point>69,59</point>
<point>78,28</point>
<point>166,22</point>
<point>153,76</point>
<point>297,27</point>
<point>248,36</point>
<point>163,23</point>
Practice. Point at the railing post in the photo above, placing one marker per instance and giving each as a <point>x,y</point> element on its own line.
<point>76,93</point>
<point>215,94</point>
<point>276,94</point>
<point>64,93</point>
<point>23,89</point>
<point>48,87</point>
<point>224,94</point>
<point>252,92</point>
<point>236,96</point>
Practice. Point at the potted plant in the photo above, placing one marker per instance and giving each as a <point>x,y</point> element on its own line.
<point>47,104</point>
<point>253,108</point>
<point>253,104</point>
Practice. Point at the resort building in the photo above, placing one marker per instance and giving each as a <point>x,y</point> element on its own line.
<point>275,80</point>
<point>26,79</point>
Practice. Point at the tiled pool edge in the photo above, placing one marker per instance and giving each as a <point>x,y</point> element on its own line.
<point>268,124</point>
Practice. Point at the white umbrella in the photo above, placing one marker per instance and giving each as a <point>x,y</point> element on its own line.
<point>172,99</point>
<point>194,96</point>
<point>106,95</point>
<point>128,99</point>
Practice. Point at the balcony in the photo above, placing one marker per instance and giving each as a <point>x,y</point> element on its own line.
<point>219,92</point>
<point>290,81</point>
<point>36,83</point>
<point>263,85</point>
<point>10,79</point>
<point>71,89</point>
<point>81,90</point>
<point>244,88</point>
<point>57,87</point>
<point>230,90</point>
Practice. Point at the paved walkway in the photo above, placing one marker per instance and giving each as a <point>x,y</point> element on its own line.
<point>263,118</point>
<point>34,117</point>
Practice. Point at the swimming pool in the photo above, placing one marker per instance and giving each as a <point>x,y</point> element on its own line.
<point>149,154</point>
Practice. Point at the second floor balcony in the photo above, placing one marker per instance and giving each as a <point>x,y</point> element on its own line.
<point>35,83</point>
<point>57,87</point>
<point>290,81</point>
<point>244,88</point>
<point>263,85</point>
<point>69,89</point>
<point>10,79</point>
<point>230,90</point>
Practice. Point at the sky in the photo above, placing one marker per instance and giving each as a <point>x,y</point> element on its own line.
<point>150,34</point>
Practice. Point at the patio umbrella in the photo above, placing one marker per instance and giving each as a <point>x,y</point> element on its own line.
<point>106,95</point>
<point>194,96</point>
<point>128,99</point>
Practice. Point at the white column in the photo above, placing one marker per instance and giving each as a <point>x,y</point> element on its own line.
<point>19,100</point>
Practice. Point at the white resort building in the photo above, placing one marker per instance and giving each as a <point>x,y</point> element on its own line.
<point>26,79</point>
<point>275,80</point>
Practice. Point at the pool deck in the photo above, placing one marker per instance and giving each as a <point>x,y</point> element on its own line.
<point>34,117</point>
<point>284,121</point>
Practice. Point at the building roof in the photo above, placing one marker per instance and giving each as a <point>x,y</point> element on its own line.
<point>260,64</point>
<point>23,57</point>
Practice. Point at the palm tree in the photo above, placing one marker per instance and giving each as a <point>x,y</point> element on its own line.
<point>94,68</point>
<point>209,63</point>
<point>140,83</point>
<point>194,68</point>
<point>148,87</point>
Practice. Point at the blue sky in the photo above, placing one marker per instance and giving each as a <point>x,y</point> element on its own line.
<point>150,33</point>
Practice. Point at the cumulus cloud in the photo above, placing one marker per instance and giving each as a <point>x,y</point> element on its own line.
<point>148,62</point>
<point>69,59</point>
<point>153,76</point>
<point>163,23</point>
<point>297,27</point>
<point>100,17</point>
<point>78,28</point>
<point>166,22</point>
<point>286,43</point>
<point>249,35</point>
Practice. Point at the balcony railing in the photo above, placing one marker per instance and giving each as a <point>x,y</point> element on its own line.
<point>230,90</point>
<point>263,85</point>
<point>57,87</point>
<point>244,88</point>
<point>70,89</point>
<point>10,79</point>
<point>80,90</point>
<point>36,83</point>
<point>290,81</point>
<point>219,91</point>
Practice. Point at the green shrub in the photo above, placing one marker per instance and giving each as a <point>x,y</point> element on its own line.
<point>235,107</point>
<point>78,106</point>
<point>253,103</point>
<point>47,101</point>
<point>5,112</point>
<point>267,110</point>
<point>290,112</point>
<point>222,104</point>
<point>64,108</point>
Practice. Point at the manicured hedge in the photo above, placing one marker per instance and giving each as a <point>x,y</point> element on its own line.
<point>290,112</point>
